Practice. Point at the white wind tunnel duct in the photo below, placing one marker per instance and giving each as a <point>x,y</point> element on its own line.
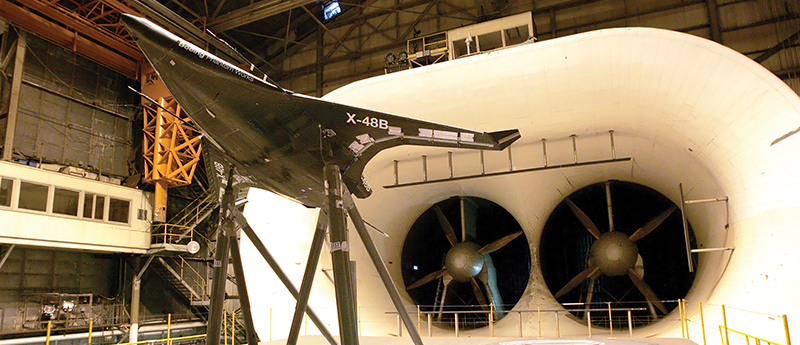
<point>687,110</point>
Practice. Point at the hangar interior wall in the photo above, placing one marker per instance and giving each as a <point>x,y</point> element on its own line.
<point>73,111</point>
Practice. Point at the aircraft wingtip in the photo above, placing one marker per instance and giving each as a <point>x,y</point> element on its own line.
<point>504,138</point>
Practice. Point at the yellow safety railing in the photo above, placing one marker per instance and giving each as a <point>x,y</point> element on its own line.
<point>195,279</point>
<point>167,341</point>
<point>232,319</point>
<point>724,330</point>
<point>758,341</point>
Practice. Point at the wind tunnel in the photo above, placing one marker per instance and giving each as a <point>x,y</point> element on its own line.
<point>687,111</point>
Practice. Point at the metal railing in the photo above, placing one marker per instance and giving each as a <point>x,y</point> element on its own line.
<point>474,319</point>
<point>763,323</point>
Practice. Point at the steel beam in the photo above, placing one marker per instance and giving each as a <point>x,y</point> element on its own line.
<point>308,277</point>
<point>241,286</point>
<point>85,27</point>
<point>6,254</point>
<point>67,39</point>
<point>377,261</point>
<point>13,104</point>
<point>777,48</point>
<point>253,12</point>
<point>713,20</point>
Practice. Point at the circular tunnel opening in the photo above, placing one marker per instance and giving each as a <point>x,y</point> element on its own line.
<point>462,255</point>
<point>616,246</point>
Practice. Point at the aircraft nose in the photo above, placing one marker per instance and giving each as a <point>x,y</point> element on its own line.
<point>134,24</point>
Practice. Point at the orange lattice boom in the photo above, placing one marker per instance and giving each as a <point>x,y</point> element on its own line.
<point>171,151</point>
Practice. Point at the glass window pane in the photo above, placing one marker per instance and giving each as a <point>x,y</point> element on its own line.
<point>118,210</point>
<point>88,202</point>
<point>65,202</point>
<point>6,190</point>
<point>99,208</point>
<point>516,35</point>
<point>33,196</point>
<point>492,40</point>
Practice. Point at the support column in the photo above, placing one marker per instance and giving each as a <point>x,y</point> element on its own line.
<point>308,277</point>
<point>377,261</point>
<point>340,255</point>
<point>713,20</point>
<point>220,277</point>
<point>241,285</point>
<point>133,334</point>
<point>320,66</point>
<point>13,104</point>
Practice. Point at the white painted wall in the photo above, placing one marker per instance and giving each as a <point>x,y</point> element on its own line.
<point>48,229</point>
<point>686,109</point>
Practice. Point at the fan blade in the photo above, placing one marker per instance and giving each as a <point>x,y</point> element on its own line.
<point>577,280</point>
<point>651,225</point>
<point>468,219</point>
<point>448,229</point>
<point>646,290</point>
<point>427,279</point>
<point>583,218</point>
<point>478,293</point>
<point>785,136</point>
<point>608,203</point>
<point>590,294</point>
<point>499,243</point>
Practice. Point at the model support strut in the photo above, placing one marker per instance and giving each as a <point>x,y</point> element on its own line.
<point>339,201</point>
<point>377,261</point>
<point>227,244</point>
<point>262,249</point>
<point>308,277</point>
<point>340,255</point>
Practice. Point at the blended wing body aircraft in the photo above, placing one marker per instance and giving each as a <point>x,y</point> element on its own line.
<point>274,135</point>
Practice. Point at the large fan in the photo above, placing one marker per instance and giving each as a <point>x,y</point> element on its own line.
<point>615,253</point>
<point>465,260</point>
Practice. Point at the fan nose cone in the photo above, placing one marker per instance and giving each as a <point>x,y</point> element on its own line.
<point>614,253</point>
<point>463,261</point>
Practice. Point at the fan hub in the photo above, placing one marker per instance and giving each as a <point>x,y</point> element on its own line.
<point>463,261</point>
<point>614,253</point>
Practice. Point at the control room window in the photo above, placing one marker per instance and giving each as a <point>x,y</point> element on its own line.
<point>118,210</point>
<point>65,201</point>
<point>99,207</point>
<point>6,191</point>
<point>516,35</point>
<point>490,41</point>
<point>33,196</point>
<point>88,205</point>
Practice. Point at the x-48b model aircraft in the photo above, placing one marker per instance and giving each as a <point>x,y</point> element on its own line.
<point>274,135</point>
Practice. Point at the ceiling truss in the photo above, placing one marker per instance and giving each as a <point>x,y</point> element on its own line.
<point>269,33</point>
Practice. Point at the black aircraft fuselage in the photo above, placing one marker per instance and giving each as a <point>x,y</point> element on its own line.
<point>275,136</point>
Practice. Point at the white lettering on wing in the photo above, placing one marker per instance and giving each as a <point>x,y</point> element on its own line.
<point>215,60</point>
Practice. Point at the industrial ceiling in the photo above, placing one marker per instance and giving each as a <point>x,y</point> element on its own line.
<point>293,42</point>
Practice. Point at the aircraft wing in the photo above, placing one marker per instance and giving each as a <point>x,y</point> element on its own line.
<point>274,135</point>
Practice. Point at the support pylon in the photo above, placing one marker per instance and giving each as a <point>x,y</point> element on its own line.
<point>171,151</point>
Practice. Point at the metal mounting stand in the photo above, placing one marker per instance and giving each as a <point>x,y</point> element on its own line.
<point>262,249</point>
<point>227,245</point>
<point>377,261</point>
<point>340,255</point>
<point>308,277</point>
